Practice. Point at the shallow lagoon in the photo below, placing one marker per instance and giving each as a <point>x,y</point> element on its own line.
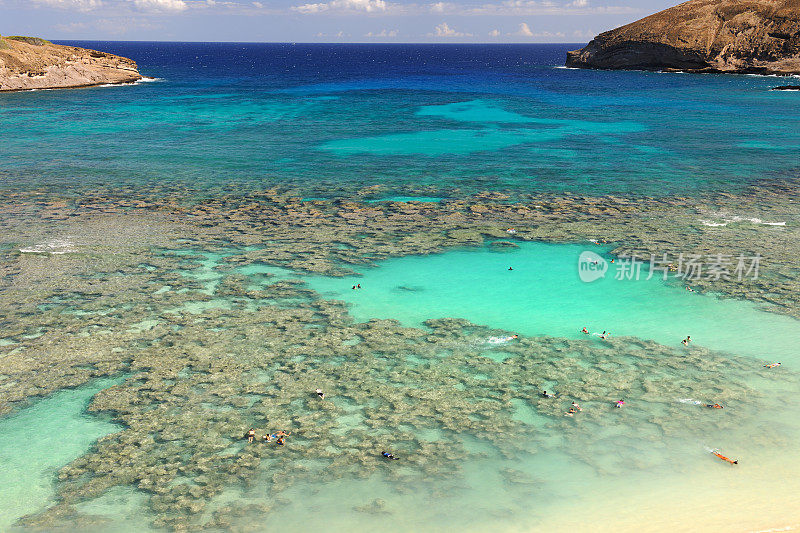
<point>544,295</point>
<point>657,441</point>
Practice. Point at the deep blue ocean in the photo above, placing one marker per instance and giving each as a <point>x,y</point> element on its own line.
<point>453,118</point>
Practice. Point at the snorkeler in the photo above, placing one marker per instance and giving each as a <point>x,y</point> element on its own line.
<point>620,403</point>
<point>545,394</point>
<point>251,435</point>
<point>714,406</point>
<point>726,459</point>
<point>389,456</point>
<point>320,394</point>
<point>772,365</point>
<point>576,406</point>
<point>571,412</point>
<point>510,268</point>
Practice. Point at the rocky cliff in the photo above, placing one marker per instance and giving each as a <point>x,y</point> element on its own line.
<point>739,36</point>
<point>31,63</point>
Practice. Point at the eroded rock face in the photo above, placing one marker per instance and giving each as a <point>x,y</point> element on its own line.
<point>38,64</point>
<point>756,36</point>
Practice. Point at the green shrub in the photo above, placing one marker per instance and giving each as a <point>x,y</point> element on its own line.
<point>36,41</point>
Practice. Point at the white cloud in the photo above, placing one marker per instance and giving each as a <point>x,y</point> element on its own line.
<point>442,7</point>
<point>494,33</point>
<point>524,30</point>
<point>338,35</point>
<point>80,5</point>
<point>444,30</point>
<point>367,6</point>
<point>258,5</point>
<point>161,5</point>
<point>537,7</point>
<point>382,34</point>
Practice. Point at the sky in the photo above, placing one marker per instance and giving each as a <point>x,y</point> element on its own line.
<point>415,21</point>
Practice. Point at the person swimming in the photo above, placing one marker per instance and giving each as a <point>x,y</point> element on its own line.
<point>714,406</point>
<point>268,437</point>
<point>726,459</point>
<point>251,435</point>
<point>687,340</point>
<point>772,365</point>
<point>576,406</point>
<point>585,331</point>
<point>620,403</point>
<point>281,441</point>
<point>320,394</point>
<point>571,412</point>
<point>510,268</point>
<point>546,394</point>
<point>358,286</point>
<point>390,456</point>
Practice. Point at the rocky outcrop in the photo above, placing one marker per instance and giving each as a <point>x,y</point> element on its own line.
<point>31,63</point>
<point>737,36</point>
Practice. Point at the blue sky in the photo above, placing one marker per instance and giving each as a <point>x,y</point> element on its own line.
<point>499,21</point>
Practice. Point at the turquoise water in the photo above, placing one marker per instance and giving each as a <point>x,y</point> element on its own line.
<point>38,440</point>
<point>544,295</point>
<point>331,119</point>
<point>426,124</point>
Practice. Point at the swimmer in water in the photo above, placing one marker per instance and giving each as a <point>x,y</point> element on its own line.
<point>358,286</point>
<point>320,394</point>
<point>714,406</point>
<point>354,287</point>
<point>687,340</point>
<point>726,459</point>
<point>251,435</point>
<point>545,394</point>
<point>571,412</point>
<point>620,403</point>
<point>510,268</point>
<point>576,406</point>
<point>389,456</point>
<point>772,365</point>
<point>281,441</point>
<point>585,331</point>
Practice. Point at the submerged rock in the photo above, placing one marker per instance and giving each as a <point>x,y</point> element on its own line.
<point>759,37</point>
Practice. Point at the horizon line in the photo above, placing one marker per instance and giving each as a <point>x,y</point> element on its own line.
<point>320,43</point>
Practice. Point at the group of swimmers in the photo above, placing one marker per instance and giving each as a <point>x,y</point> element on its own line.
<point>687,340</point>
<point>279,436</point>
<point>356,286</point>
<point>603,335</point>
<point>575,407</point>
